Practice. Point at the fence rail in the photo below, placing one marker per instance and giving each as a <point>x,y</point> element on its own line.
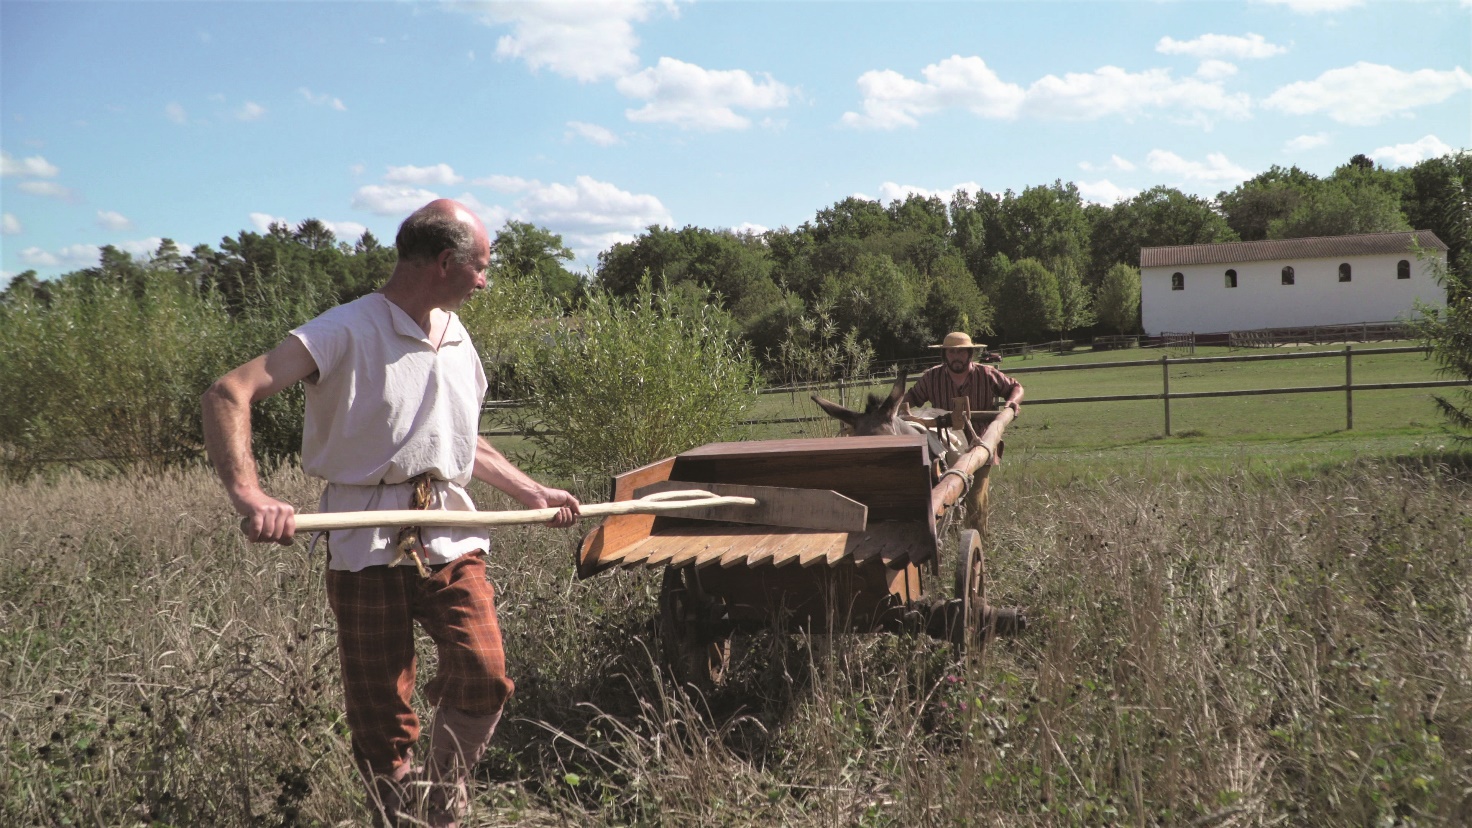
<point>1165,395</point>
<point>1319,334</point>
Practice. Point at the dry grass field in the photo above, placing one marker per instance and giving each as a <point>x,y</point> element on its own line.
<point>1212,647</point>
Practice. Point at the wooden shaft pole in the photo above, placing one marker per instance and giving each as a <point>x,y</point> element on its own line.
<point>978,457</point>
<point>662,503</point>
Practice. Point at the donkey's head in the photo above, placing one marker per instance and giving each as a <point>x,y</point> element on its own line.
<point>880,416</point>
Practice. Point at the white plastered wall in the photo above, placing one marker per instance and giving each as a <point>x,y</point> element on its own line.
<point>1261,300</point>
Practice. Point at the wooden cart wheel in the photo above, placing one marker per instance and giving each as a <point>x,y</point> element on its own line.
<point>971,589</point>
<point>693,652</point>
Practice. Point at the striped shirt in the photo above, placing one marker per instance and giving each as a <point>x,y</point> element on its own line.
<point>984,386</point>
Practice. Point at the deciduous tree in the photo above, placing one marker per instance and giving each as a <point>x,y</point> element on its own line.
<point>1118,301</point>
<point>1029,307</point>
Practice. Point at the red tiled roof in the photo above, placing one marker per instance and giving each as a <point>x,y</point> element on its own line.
<point>1321,247</point>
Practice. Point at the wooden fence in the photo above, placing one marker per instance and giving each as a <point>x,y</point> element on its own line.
<point>1165,362</point>
<point>839,390</point>
<point>1359,332</point>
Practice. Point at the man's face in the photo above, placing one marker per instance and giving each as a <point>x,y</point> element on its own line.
<point>958,359</point>
<point>466,278</point>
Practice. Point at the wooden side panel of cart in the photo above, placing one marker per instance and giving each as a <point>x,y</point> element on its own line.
<point>807,577</point>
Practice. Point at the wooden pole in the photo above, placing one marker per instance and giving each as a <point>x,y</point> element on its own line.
<point>1348,387</point>
<point>663,503</point>
<point>1165,395</point>
<point>975,462</point>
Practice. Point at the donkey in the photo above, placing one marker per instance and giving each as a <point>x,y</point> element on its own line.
<point>880,416</point>
<point>883,416</point>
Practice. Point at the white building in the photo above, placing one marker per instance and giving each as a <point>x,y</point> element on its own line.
<point>1331,280</point>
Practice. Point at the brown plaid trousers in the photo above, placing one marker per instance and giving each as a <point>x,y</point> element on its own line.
<point>376,608</point>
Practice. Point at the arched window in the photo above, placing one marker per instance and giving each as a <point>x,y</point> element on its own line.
<point>1178,281</point>
<point>1231,278</point>
<point>1403,269</point>
<point>1344,272</point>
<point>1287,275</point>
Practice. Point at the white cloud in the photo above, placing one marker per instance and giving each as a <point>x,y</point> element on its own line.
<point>1105,192</point>
<point>747,228</point>
<point>33,167</point>
<point>1110,90</point>
<point>263,221</point>
<point>36,257</point>
<point>1367,93</point>
<point>10,225</point>
<point>250,111</point>
<point>322,99</point>
<point>397,201</point>
<point>1315,6</point>
<point>1251,47</point>
<point>1215,168</point>
<point>592,133</point>
<point>890,191</point>
<point>692,97</point>
<point>442,174</point>
<point>1405,155</point>
<point>140,249</point>
<point>892,100</point>
<point>1115,163</point>
<point>1211,70</point>
<point>588,205</point>
<point>50,189</point>
<point>506,183</point>
<point>175,112</point>
<point>590,215</point>
<point>73,256</point>
<point>1304,143</point>
<point>347,231</point>
<point>584,40</point>
<point>113,220</point>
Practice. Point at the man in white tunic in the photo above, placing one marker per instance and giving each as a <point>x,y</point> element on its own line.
<point>394,390</point>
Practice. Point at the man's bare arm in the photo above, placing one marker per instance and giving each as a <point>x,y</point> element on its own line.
<point>1014,400</point>
<point>227,435</point>
<point>492,467</point>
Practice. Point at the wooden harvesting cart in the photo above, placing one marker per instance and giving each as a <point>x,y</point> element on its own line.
<point>857,549</point>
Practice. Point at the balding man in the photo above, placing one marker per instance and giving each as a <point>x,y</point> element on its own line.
<point>394,391</point>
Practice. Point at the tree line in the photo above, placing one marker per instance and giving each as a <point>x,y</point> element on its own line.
<point>115,355</point>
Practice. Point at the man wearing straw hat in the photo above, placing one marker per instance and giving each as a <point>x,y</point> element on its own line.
<point>959,376</point>
<point>394,390</point>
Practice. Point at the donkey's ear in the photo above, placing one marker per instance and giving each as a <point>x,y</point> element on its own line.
<point>835,410</point>
<point>898,390</point>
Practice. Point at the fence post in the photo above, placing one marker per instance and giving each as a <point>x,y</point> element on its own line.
<point>1348,387</point>
<point>1165,375</point>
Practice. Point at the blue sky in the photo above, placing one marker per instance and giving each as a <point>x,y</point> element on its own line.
<point>125,122</point>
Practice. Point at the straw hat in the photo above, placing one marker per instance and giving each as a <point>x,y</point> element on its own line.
<point>959,339</point>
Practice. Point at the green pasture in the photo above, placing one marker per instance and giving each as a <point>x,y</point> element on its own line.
<point>1098,425</point>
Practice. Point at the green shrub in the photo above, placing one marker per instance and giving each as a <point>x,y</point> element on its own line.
<point>103,375</point>
<point>627,383</point>
<point>109,375</point>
